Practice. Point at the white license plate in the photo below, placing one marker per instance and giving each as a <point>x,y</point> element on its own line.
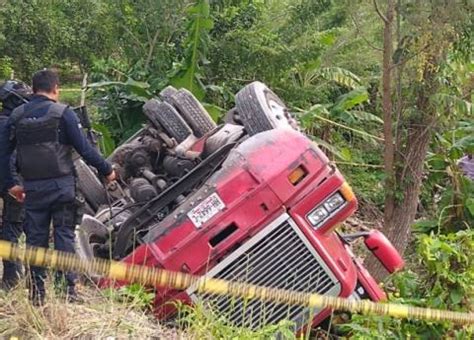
<point>206,210</point>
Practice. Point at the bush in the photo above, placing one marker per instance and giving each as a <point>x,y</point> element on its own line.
<point>205,324</point>
<point>444,280</point>
<point>5,68</point>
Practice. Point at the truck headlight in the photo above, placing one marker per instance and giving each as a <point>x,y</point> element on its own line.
<point>334,202</point>
<point>326,209</point>
<point>317,216</point>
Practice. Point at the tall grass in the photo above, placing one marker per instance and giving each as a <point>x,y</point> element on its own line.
<point>202,323</point>
<point>99,316</point>
<point>117,314</point>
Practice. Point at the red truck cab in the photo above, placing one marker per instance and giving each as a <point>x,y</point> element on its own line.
<point>253,200</point>
<point>266,217</point>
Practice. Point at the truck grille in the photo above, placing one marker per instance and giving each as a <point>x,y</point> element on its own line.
<point>279,256</point>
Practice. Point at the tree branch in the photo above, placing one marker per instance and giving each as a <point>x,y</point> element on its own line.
<point>402,62</point>
<point>362,36</point>
<point>385,20</point>
<point>152,48</point>
<point>387,107</point>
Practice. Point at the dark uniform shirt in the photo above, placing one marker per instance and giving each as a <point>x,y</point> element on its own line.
<point>69,134</point>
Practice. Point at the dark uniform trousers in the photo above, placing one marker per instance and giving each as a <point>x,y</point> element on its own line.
<point>12,227</point>
<point>50,201</point>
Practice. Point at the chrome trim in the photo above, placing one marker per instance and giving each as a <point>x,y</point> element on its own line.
<point>254,265</point>
<point>331,213</point>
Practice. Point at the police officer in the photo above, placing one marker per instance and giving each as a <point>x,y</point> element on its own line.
<point>44,133</point>
<point>12,95</point>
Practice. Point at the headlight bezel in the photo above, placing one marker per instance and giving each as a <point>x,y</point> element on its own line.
<point>337,198</point>
<point>330,210</point>
<point>318,219</point>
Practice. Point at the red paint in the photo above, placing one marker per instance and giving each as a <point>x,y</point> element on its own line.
<point>253,183</point>
<point>385,252</point>
<point>370,285</point>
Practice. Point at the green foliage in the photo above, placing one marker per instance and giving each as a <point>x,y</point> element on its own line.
<point>123,83</point>
<point>5,67</point>
<point>119,98</point>
<point>347,112</point>
<point>106,142</point>
<point>71,97</point>
<point>204,324</point>
<point>341,77</point>
<point>119,111</point>
<point>448,258</point>
<point>446,282</point>
<point>454,100</point>
<point>45,33</point>
<point>188,75</point>
<point>134,294</point>
<point>147,35</point>
<point>269,41</point>
<point>367,182</point>
<point>458,106</point>
<point>448,193</point>
<point>322,57</point>
<point>229,43</point>
<point>138,91</point>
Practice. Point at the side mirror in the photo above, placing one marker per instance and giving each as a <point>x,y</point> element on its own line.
<point>384,251</point>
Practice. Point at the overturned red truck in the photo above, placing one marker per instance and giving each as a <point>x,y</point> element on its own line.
<point>252,200</point>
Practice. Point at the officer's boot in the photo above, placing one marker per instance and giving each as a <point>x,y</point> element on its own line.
<point>72,295</point>
<point>65,285</point>
<point>35,281</point>
<point>11,231</point>
<point>11,274</point>
<point>37,293</point>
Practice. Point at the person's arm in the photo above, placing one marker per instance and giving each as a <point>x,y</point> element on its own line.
<point>77,139</point>
<point>7,146</point>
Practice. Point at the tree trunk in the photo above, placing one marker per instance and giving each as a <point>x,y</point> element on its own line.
<point>403,189</point>
<point>389,151</point>
<point>409,177</point>
<point>398,216</point>
<point>410,181</point>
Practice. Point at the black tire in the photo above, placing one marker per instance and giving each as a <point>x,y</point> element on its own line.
<point>260,109</point>
<point>165,116</point>
<point>193,112</point>
<point>167,93</point>
<point>90,185</point>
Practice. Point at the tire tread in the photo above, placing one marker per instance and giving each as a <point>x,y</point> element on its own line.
<point>252,114</point>
<point>193,112</point>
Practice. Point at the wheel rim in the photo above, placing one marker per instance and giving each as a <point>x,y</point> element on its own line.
<point>276,111</point>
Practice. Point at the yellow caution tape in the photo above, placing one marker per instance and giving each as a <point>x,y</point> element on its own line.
<point>162,278</point>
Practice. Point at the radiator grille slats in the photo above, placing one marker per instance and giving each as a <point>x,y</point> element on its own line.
<point>279,256</point>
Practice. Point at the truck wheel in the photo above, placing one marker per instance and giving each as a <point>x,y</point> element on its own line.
<point>91,237</point>
<point>163,115</point>
<point>260,109</point>
<point>193,112</point>
<point>167,93</point>
<point>89,185</point>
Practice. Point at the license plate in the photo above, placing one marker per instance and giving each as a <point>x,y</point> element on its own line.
<point>206,210</point>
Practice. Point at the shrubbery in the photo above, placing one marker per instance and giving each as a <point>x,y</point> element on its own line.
<point>441,276</point>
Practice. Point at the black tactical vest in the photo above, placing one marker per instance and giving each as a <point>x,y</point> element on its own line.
<point>40,155</point>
